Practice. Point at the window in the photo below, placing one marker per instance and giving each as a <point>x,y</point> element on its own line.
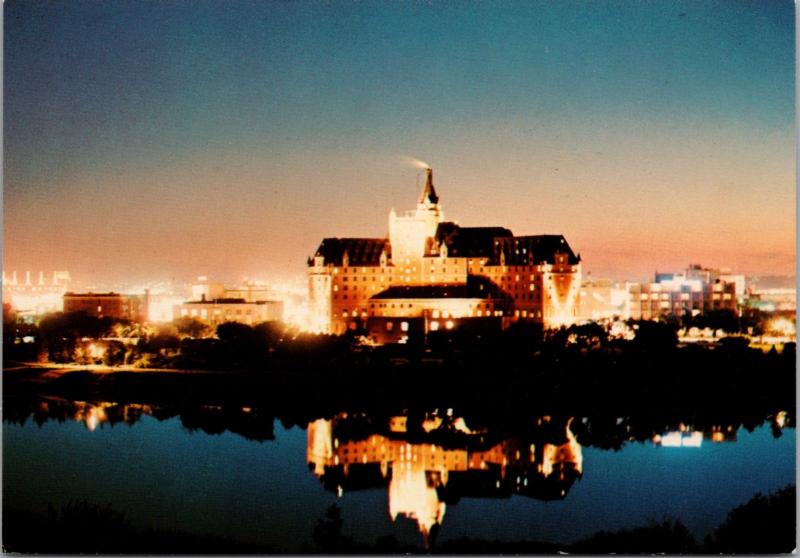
<point>404,326</point>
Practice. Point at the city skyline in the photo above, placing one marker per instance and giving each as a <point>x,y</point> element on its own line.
<point>147,140</point>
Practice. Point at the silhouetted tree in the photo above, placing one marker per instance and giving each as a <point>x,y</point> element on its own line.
<point>655,336</point>
<point>658,538</point>
<point>191,327</point>
<point>328,536</point>
<point>764,525</point>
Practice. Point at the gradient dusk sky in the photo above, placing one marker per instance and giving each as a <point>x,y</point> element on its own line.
<point>227,138</point>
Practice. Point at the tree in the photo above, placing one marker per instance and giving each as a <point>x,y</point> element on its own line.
<point>191,327</point>
<point>764,525</point>
<point>652,335</point>
<point>328,536</point>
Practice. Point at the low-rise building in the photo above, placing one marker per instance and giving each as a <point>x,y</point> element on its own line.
<point>603,299</point>
<point>108,305</point>
<point>221,310</point>
<point>33,297</point>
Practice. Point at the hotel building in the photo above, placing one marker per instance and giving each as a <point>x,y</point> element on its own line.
<point>440,273</point>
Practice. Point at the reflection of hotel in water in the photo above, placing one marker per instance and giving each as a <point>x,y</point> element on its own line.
<point>425,463</point>
<point>442,461</point>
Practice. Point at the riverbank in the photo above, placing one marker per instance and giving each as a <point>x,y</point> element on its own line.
<point>693,385</point>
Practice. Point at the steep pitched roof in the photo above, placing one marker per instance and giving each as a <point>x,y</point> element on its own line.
<point>428,194</point>
<point>524,250</point>
<point>469,242</point>
<point>360,251</point>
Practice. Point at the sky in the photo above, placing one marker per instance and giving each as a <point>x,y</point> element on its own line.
<point>171,139</point>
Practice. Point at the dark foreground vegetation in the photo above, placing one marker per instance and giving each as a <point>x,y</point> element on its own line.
<point>244,378</point>
<point>764,525</point>
<point>499,379</point>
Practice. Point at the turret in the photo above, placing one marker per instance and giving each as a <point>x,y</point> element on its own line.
<point>428,195</point>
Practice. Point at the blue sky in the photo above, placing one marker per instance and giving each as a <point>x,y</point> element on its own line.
<point>227,138</point>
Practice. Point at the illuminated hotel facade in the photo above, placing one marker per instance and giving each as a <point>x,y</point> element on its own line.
<point>439,272</point>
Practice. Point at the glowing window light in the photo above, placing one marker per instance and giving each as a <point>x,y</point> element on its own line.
<point>449,324</point>
<point>404,326</point>
<point>434,326</point>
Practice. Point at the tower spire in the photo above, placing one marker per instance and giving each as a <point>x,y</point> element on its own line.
<point>428,194</point>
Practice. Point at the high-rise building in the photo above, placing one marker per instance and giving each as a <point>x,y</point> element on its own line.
<point>440,273</point>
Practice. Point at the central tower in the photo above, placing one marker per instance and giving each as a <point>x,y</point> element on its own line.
<point>409,233</point>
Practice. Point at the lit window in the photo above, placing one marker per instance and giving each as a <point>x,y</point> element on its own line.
<point>404,326</point>
<point>449,324</point>
<point>389,326</point>
<point>434,326</point>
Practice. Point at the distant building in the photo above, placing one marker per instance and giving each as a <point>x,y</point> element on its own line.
<point>33,297</point>
<point>221,310</point>
<point>430,266</point>
<point>603,299</point>
<point>774,299</point>
<point>697,291</point>
<point>108,305</point>
<point>203,289</point>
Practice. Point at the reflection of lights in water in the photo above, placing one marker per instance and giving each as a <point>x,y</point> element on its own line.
<point>678,439</point>
<point>92,415</point>
<point>417,472</point>
<point>411,496</point>
<point>319,444</point>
